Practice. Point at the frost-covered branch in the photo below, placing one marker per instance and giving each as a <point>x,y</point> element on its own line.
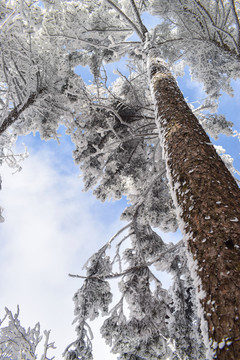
<point>143,302</point>
<point>234,10</point>
<point>18,343</point>
<point>131,23</point>
<point>14,114</point>
<point>138,17</point>
<point>131,269</point>
<point>88,42</point>
<point>47,346</point>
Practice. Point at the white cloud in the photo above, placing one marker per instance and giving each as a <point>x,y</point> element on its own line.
<point>51,228</point>
<point>49,231</point>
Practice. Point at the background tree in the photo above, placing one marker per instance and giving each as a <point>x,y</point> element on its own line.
<point>18,343</point>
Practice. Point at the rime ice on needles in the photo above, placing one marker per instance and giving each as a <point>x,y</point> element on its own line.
<point>18,343</point>
<point>205,35</point>
<point>153,325</point>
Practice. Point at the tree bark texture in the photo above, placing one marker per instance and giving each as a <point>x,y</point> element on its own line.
<point>207,200</point>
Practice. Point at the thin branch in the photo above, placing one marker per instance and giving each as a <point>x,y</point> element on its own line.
<point>130,84</point>
<point>116,114</point>
<point>118,233</point>
<point>19,72</point>
<point>118,305</point>
<point>132,269</point>
<point>108,244</point>
<point>12,13</point>
<point>131,23</point>
<point>79,39</point>
<point>89,330</point>
<point>147,125</point>
<point>47,346</point>
<point>135,9</point>
<point>154,277</point>
<point>216,27</point>
<point>13,116</point>
<point>234,10</point>
<point>203,17</point>
<point>105,30</point>
<point>229,35</point>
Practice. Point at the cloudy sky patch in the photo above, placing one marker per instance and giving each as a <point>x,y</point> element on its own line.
<point>51,228</point>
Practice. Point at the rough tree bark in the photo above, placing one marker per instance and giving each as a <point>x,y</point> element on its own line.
<point>207,200</point>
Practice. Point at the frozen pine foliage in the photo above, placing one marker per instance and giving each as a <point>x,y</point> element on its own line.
<point>228,160</point>
<point>117,147</point>
<point>148,322</point>
<point>18,343</point>
<point>93,296</point>
<point>37,81</point>
<point>138,138</point>
<point>204,35</point>
<point>216,124</point>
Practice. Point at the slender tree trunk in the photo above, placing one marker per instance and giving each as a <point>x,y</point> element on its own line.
<point>207,200</point>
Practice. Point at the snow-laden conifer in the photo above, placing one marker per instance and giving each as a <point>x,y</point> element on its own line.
<point>124,150</point>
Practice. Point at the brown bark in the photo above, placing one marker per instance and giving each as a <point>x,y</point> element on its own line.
<point>13,116</point>
<point>208,202</point>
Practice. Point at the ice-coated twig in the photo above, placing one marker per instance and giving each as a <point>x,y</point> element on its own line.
<point>131,269</point>
<point>47,346</point>
<point>234,10</point>
<point>139,20</point>
<point>131,23</point>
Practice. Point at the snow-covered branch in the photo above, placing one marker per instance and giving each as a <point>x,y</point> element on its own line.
<point>130,22</point>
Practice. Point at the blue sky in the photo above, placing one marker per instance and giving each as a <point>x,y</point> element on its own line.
<point>52,227</point>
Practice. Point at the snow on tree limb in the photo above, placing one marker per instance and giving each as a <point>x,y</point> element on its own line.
<point>18,343</point>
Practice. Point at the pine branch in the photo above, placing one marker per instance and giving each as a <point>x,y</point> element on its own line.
<point>14,115</point>
<point>131,23</point>
<point>217,27</point>
<point>132,269</point>
<point>77,38</point>
<point>234,10</point>
<point>143,196</point>
<point>8,18</point>
<point>108,244</point>
<point>135,9</point>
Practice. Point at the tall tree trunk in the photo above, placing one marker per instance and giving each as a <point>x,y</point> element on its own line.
<point>207,200</point>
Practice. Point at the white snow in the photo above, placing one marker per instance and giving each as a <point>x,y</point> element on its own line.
<point>221,344</point>
<point>234,219</point>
